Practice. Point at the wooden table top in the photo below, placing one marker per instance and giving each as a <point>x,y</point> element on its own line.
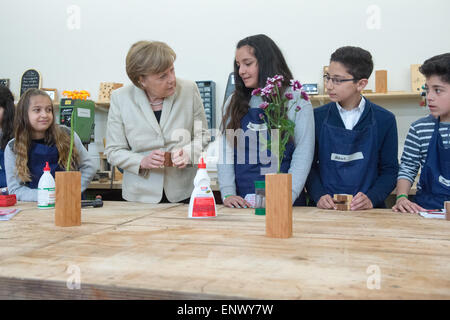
<point>146,251</point>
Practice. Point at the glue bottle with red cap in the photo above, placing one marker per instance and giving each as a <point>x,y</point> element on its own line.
<point>46,189</point>
<point>202,203</point>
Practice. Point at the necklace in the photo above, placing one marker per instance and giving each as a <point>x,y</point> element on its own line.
<point>157,103</point>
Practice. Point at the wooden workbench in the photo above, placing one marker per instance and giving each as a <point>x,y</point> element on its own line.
<point>132,250</point>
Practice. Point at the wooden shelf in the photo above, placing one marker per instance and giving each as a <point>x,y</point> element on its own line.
<point>398,95</point>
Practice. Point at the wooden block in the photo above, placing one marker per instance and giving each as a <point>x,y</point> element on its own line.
<point>106,88</point>
<point>103,176</point>
<point>344,198</point>
<point>381,81</point>
<point>68,198</point>
<point>417,78</point>
<point>343,206</point>
<point>168,159</point>
<point>118,176</point>
<point>279,205</point>
<point>447,210</point>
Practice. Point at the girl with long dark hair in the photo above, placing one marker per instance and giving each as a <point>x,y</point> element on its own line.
<point>257,59</point>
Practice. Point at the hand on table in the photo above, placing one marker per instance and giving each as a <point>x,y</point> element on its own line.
<point>326,202</point>
<point>236,202</point>
<point>404,205</point>
<point>361,202</point>
<point>154,160</point>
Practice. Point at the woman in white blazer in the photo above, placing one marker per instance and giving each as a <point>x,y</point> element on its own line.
<point>158,113</point>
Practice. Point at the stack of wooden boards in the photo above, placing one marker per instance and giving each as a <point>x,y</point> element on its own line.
<point>343,201</point>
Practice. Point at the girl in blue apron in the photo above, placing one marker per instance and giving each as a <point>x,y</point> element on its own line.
<point>258,58</point>
<point>37,140</point>
<point>7,110</point>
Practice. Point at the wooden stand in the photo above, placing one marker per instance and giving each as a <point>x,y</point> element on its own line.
<point>381,81</point>
<point>68,199</point>
<point>279,205</point>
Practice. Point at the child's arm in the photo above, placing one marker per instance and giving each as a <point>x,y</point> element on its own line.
<point>314,184</point>
<point>409,167</point>
<point>87,165</point>
<point>403,204</point>
<point>15,186</point>
<point>387,166</point>
<point>303,154</point>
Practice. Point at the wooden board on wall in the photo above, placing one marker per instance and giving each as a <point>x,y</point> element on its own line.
<point>417,78</point>
<point>381,81</point>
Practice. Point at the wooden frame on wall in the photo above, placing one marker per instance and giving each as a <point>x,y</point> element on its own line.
<point>53,93</point>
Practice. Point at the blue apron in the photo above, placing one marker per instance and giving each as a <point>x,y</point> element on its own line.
<point>247,173</point>
<point>39,154</point>
<point>435,175</point>
<point>348,159</point>
<point>2,169</point>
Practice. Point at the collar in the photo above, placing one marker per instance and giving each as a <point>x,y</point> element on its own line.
<point>359,108</point>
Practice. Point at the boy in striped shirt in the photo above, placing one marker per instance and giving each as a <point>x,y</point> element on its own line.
<point>427,145</point>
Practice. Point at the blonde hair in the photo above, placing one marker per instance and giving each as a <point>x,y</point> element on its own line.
<point>148,57</point>
<point>53,135</point>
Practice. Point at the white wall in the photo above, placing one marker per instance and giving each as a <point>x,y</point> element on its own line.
<point>75,54</point>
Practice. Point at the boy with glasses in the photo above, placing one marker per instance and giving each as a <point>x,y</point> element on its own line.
<point>356,140</point>
<point>427,145</point>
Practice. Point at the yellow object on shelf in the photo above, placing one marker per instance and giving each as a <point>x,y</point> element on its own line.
<point>82,95</point>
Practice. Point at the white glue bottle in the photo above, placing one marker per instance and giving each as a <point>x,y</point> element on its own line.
<point>202,203</point>
<point>46,189</point>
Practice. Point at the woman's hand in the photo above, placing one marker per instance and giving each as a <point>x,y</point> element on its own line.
<point>180,159</point>
<point>154,160</point>
<point>236,202</point>
<point>404,205</point>
<point>361,202</point>
<point>326,202</point>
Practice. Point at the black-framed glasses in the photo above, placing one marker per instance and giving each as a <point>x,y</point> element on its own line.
<point>336,81</point>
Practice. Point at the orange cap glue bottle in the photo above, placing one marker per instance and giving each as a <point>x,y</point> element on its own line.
<point>202,203</point>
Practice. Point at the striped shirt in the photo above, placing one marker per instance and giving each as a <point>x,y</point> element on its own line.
<point>416,146</point>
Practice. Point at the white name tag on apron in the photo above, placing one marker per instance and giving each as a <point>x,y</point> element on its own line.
<point>347,157</point>
<point>444,181</point>
<point>256,126</point>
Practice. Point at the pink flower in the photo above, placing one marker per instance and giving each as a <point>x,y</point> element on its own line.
<point>298,108</point>
<point>296,85</point>
<point>278,78</point>
<point>261,116</point>
<point>256,92</point>
<point>305,96</point>
<point>289,96</point>
<point>264,105</point>
<point>268,90</point>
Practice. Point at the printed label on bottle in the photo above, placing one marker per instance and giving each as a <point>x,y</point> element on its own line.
<point>46,198</point>
<point>203,207</point>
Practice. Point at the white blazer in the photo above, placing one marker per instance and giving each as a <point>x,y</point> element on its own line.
<point>132,132</point>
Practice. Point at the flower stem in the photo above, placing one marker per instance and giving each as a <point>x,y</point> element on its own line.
<point>72,124</point>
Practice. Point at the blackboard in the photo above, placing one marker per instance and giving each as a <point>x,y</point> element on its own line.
<point>4,82</point>
<point>30,79</point>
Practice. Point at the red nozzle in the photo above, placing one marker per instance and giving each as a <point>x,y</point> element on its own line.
<point>47,167</point>
<point>201,164</point>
